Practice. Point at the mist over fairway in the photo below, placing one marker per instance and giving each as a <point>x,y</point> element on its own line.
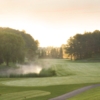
<point>67,73</point>
<point>70,75</point>
<point>36,36</point>
<point>20,69</point>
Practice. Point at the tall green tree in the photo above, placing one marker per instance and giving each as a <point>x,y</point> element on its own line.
<point>84,45</point>
<point>11,47</point>
<point>70,47</point>
<point>31,45</point>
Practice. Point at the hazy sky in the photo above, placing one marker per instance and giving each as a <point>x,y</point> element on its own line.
<point>52,22</point>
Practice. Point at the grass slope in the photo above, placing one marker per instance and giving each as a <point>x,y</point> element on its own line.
<point>70,76</point>
<point>54,91</point>
<point>67,73</point>
<point>92,94</point>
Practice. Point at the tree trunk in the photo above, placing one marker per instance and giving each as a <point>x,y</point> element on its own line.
<point>7,63</point>
<point>71,56</point>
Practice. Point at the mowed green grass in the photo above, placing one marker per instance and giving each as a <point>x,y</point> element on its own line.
<point>92,94</point>
<point>70,76</point>
<point>23,95</point>
<point>67,73</point>
<point>49,91</point>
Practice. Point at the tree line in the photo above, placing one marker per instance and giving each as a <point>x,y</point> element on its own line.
<point>84,45</point>
<point>50,52</point>
<point>16,45</point>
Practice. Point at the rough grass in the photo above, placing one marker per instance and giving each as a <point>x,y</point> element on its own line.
<point>92,94</point>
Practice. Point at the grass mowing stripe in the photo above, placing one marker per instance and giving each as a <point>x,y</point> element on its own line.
<point>82,73</point>
<point>17,96</point>
<point>53,81</point>
<point>23,95</point>
<point>62,70</point>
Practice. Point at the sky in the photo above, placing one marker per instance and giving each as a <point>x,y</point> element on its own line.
<point>51,22</point>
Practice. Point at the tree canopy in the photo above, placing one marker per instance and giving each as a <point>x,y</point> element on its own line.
<point>84,45</point>
<point>15,45</point>
<point>11,47</point>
